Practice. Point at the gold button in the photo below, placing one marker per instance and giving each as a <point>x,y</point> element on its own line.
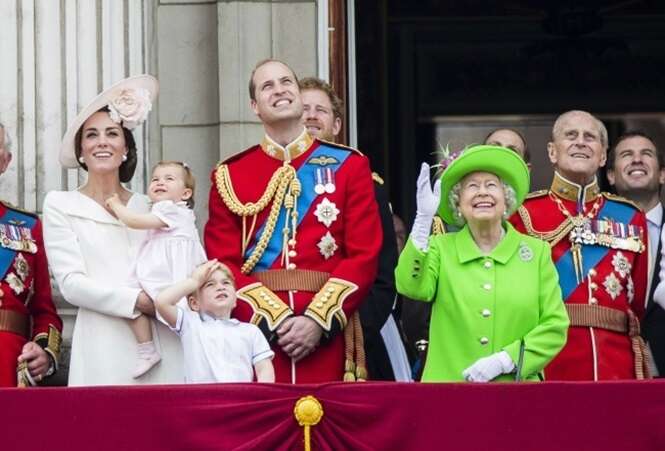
<point>486,313</point>
<point>330,290</point>
<point>271,302</point>
<point>593,286</point>
<point>319,304</point>
<point>276,306</point>
<point>487,264</point>
<point>487,286</point>
<point>592,272</point>
<point>593,301</point>
<point>484,340</point>
<point>292,253</point>
<point>263,295</point>
<point>291,266</point>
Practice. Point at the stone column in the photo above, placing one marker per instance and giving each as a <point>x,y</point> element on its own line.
<point>250,31</point>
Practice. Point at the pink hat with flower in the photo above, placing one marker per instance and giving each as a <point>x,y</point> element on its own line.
<point>129,102</point>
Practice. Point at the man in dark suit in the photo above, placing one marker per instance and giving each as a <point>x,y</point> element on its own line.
<point>636,169</point>
<point>384,349</point>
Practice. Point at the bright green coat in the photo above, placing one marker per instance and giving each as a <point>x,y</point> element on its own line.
<point>485,304</point>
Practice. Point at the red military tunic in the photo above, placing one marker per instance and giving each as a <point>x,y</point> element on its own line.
<point>25,292</point>
<point>330,256</point>
<point>612,275</point>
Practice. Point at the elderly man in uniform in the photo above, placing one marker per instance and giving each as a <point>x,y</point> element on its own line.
<point>599,246</point>
<point>636,169</point>
<point>30,327</point>
<point>296,221</point>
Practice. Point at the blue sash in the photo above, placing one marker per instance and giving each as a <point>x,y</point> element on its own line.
<point>307,176</point>
<point>591,254</point>
<point>7,255</point>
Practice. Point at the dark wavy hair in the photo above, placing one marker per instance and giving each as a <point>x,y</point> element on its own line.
<point>128,167</point>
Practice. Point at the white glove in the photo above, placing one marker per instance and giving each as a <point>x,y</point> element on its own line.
<point>427,201</point>
<point>487,368</point>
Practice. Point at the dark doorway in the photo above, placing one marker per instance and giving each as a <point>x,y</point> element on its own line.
<point>428,66</point>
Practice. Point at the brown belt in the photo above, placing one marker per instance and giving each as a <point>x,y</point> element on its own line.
<point>292,279</point>
<point>616,321</point>
<point>597,316</point>
<point>14,322</point>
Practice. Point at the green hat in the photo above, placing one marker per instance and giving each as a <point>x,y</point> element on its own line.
<point>504,163</point>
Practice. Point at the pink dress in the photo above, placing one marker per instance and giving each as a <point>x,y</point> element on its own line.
<point>170,254</point>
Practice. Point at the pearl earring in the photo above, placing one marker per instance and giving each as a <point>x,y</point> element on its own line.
<point>81,160</point>
<point>124,157</point>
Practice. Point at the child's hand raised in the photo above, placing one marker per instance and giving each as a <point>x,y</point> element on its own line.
<point>204,271</point>
<point>112,201</point>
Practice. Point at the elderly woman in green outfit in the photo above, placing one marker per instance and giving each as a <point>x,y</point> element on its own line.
<point>497,311</point>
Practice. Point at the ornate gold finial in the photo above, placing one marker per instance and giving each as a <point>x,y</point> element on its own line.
<point>308,412</point>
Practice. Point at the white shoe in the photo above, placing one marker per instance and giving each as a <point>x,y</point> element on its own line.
<point>147,358</point>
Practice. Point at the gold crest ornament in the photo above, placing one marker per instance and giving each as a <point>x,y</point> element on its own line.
<point>630,289</point>
<point>326,212</point>
<point>327,245</point>
<point>612,286</point>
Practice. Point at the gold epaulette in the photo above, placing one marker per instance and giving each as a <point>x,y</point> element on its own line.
<point>377,178</point>
<point>327,303</point>
<point>20,210</point>
<point>265,304</point>
<point>539,193</point>
<point>623,200</point>
<point>341,146</point>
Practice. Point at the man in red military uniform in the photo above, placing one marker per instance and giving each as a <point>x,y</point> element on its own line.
<point>296,221</point>
<point>26,308</point>
<point>599,246</point>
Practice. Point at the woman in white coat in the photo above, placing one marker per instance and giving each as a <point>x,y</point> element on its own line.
<point>91,253</point>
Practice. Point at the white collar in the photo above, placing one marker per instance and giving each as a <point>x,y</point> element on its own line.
<point>655,215</point>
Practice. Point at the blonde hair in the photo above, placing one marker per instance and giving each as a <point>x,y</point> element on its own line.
<point>188,177</point>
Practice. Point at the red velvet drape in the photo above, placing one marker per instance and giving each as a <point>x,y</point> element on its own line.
<point>361,416</point>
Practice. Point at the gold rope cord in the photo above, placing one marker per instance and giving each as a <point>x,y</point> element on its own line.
<point>279,183</point>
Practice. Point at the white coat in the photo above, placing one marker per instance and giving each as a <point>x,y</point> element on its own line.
<point>91,254</point>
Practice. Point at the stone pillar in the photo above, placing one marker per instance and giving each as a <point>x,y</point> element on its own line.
<point>56,56</point>
<point>250,31</point>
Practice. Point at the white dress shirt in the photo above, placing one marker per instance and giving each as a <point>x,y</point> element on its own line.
<point>219,350</point>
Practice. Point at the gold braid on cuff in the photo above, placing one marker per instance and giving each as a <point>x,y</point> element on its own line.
<point>265,304</point>
<point>327,303</point>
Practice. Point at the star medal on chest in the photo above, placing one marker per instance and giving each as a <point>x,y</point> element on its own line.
<point>326,212</point>
<point>21,266</point>
<point>15,283</point>
<point>327,245</point>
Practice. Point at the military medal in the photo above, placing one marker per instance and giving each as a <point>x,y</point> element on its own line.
<point>612,286</point>
<point>17,238</point>
<point>319,188</point>
<point>621,264</point>
<point>15,283</point>
<point>327,245</point>
<point>329,181</point>
<point>21,267</point>
<point>326,212</point>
